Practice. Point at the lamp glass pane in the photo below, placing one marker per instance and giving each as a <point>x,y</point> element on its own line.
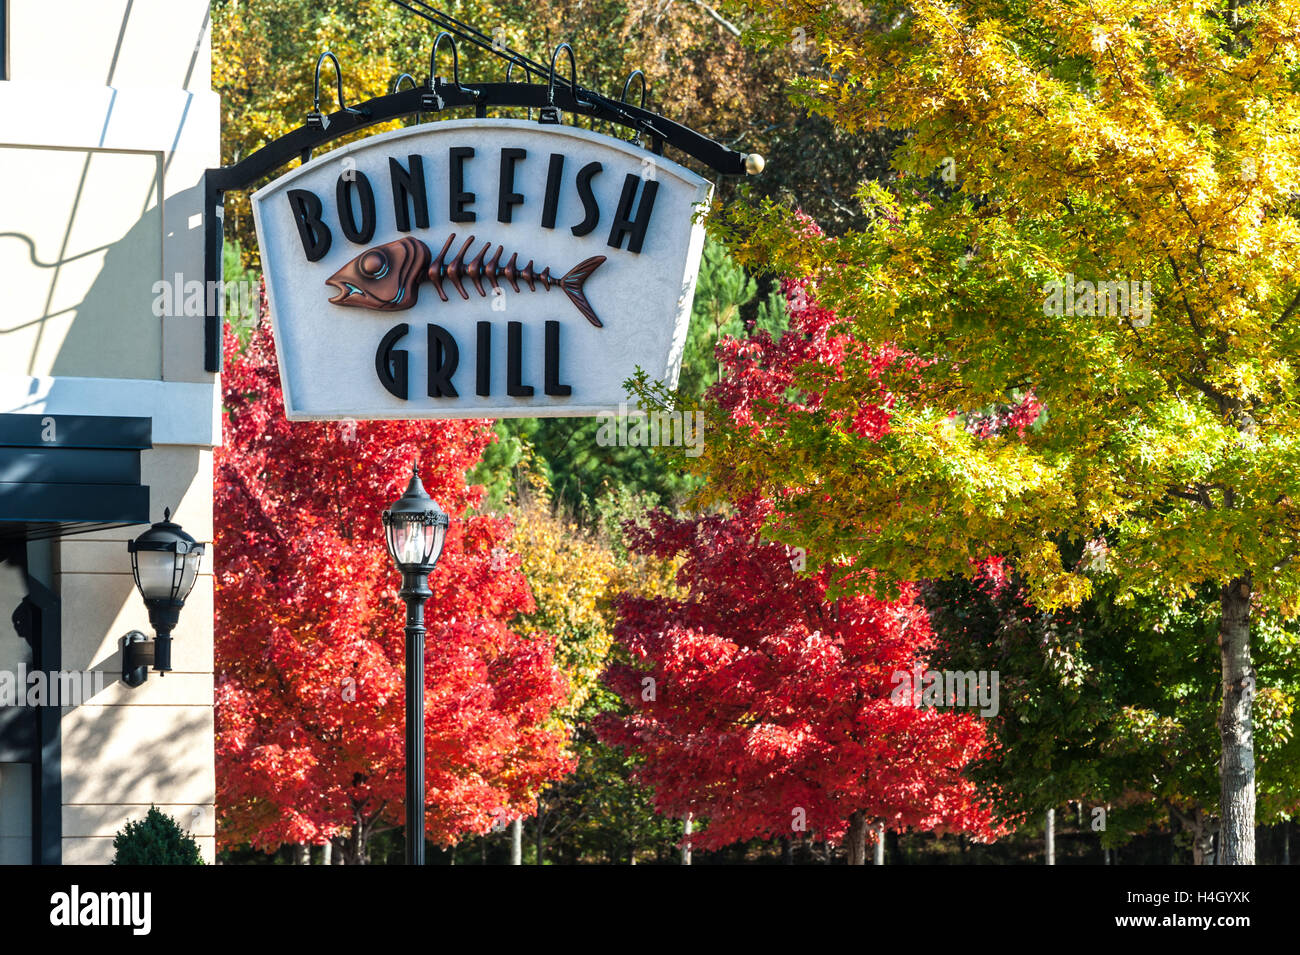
<point>156,573</point>
<point>439,538</point>
<point>189,573</point>
<point>390,539</point>
<point>410,542</point>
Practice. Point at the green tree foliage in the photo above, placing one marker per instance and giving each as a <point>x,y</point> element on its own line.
<point>565,452</point>
<point>725,304</point>
<point>1113,706</point>
<point>702,73</point>
<point>240,281</point>
<point>156,839</point>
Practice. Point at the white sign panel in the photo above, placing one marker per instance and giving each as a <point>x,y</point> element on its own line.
<point>478,268</point>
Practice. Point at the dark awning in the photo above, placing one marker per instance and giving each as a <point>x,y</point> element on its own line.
<point>68,474</point>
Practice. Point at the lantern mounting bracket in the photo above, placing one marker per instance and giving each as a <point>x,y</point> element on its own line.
<point>137,658</point>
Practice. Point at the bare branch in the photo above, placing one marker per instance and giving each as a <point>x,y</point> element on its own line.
<point>718,17</point>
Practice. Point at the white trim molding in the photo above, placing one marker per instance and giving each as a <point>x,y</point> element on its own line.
<point>183,412</point>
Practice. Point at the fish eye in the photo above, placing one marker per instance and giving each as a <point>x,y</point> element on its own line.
<point>373,264</point>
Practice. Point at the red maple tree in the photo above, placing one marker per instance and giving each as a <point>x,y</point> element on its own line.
<point>771,380</point>
<point>768,703</point>
<point>309,631</point>
<point>765,708</point>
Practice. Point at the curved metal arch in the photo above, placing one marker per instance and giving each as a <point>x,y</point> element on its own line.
<point>338,80</point>
<point>397,88</point>
<point>627,83</point>
<point>316,119</point>
<point>397,83</point>
<point>455,61</point>
<point>433,99</point>
<point>550,114</point>
<point>515,59</point>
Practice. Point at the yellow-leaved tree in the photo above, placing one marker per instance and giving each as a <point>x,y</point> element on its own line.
<point>575,574</point>
<point>1096,210</point>
<point>571,573</point>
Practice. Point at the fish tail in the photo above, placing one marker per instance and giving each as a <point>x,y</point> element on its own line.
<point>573,280</point>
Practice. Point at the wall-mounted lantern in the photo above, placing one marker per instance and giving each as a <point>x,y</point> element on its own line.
<point>165,564</point>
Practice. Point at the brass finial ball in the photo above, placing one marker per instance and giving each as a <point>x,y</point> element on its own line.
<point>754,164</point>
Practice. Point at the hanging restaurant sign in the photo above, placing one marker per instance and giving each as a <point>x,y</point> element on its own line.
<point>478,268</point>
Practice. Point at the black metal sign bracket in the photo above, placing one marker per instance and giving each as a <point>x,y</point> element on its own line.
<point>551,99</point>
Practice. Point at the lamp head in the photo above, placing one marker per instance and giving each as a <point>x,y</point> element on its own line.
<point>415,528</point>
<point>165,563</point>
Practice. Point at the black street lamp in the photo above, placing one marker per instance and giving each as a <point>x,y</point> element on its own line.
<point>165,563</point>
<point>414,529</point>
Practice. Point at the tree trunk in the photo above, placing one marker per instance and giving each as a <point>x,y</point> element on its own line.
<point>541,834</point>
<point>787,851</point>
<point>878,851</point>
<point>1049,837</point>
<point>327,854</point>
<point>517,842</point>
<point>1202,827</point>
<point>301,854</point>
<point>688,826</point>
<point>351,849</point>
<point>896,848</point>
<point>855,840</point>
<point>358,848</point>
<point>1202,839</point>
<point>1236,732</point>
<point>1286,842</point>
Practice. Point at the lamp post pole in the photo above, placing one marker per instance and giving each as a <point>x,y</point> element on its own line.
<point>415,528</point>
<point>415,591</point>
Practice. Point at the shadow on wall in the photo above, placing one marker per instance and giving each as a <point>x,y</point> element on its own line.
<point>95,601</point>
<point>82,230</point>
<point>124,760</point>
<point>118,331</point>
<point>111,590</point>
<point>111,329</point>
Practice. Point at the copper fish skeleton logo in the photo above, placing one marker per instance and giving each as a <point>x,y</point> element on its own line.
<point>387,278</point>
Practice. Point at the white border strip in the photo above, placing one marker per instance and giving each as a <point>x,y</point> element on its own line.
<point>183,412</point>
<point>134,119</point>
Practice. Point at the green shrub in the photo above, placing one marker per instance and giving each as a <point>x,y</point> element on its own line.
<point>156,840</point>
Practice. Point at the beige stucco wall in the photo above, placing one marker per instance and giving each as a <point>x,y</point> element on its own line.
<point>85,234</point>
<point>108,124</point>
<point>164,43</point>
<point>128,748</point>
